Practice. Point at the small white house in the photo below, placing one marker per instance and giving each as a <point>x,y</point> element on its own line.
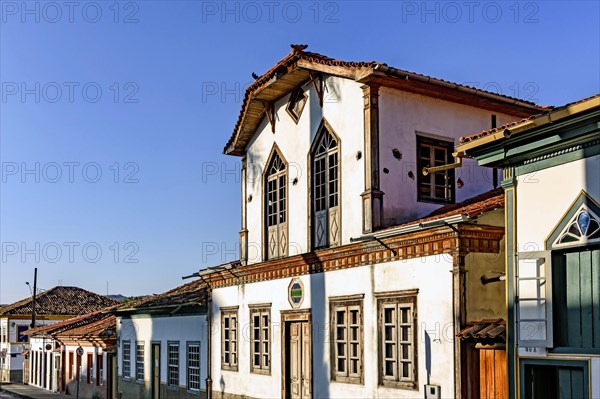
<point>162,345</point>
<point>75,356</point>
<point>53,305</point>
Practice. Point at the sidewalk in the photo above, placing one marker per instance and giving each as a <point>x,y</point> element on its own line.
<point>29,392</point>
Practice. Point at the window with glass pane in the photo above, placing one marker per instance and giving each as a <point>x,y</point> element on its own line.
<point>139,361</point>
<point>347,341</point>
<point>173,364</point>
<point>325,181</point>
<point>260,342</point>
<point>296,104</point>
<point>126,359</point>
<point>229,340</point>
<point>397,329</point>
<point>438,186</point>
<point>193,366</point>
<point>276,207</point>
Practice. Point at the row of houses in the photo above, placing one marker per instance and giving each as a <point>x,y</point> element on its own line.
<point>402,237</point>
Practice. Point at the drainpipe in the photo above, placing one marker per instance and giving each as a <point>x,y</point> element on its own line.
<point>433,169</point>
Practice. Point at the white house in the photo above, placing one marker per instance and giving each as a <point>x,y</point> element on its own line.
<point>75,356</point>
<point>551,165</point>
<point>53,305</point>
<point>353,276</point>
<point>162,345</point>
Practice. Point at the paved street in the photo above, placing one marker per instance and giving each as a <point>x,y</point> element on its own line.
<point>13,391</point>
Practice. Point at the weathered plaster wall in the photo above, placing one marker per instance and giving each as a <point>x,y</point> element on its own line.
<point>402,115</point>
<point>435,335</point>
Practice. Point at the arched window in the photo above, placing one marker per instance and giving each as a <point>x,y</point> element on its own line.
<point>276,207</point>
<point>325,190</point>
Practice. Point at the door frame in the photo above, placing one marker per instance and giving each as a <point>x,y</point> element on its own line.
<point>287,316</point>
<point>153,344</point>
<point>583,363</point>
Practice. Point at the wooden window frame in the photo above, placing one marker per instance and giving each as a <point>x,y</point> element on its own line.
<point>125,359</point>
<point>264,343</point>
<point>173,368</point>
<point>311,231</point>
<point>296,93</point>
<point>346,304</point>
<point>140,370</point>
<point>447,145</point>
<point>398,300</point>
<point>266,178</point>
<point>229,313</point>
<point>189,368</point>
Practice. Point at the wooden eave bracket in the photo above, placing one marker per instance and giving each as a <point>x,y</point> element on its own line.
<point>269,110</point>
<point>317,81</point>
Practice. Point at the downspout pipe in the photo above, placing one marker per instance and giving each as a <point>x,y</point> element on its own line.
<point>433,169</point>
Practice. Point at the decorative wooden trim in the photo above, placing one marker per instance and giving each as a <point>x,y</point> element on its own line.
<point>443,240</point>
<point>318,86</point>
<point>229,308</point>
<point>296,118</point>
<point>372,197</point>
<point>264,305</point>
<point>345,298</point>
<point>395,294</point>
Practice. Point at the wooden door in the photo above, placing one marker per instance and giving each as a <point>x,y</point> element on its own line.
<point>155,371</point>
<point>111,372</point>
<point>493,381</point>
<point>298,361</point>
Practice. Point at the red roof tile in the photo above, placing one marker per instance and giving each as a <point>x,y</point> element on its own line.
<point>191,292</point>
<point>474,206</point>
<point>484,330</point>
<point>298,53</point>
<point>467,139</point>
<point>59,301</point>
<point>92,325</point>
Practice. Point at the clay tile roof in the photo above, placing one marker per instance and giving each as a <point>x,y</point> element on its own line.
<point>59,301</point>
<point>89,325</point>
<point>547,110</point>
<point>484,331</point>
<point>298,53</point>
<point>474,206</point>
<point>194,291</point>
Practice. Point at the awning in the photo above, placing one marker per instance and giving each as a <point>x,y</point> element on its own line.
<point>484,331</point>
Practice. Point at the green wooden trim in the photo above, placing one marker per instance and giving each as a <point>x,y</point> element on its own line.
<point>559,158</point>
<point>559,363</point>
<point>510,212</point>
<point>582,199</point>
<point>575,351</point>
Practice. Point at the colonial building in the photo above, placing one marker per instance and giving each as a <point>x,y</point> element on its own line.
<point>76,356</point>
<point>551,165</point>
<point>353,276</point>
<point>162,345</point>
<point>51,306</point>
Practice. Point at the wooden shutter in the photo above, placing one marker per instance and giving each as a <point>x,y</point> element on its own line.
<point>533,299</point>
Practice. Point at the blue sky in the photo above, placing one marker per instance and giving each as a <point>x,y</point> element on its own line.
<point>114,114</point>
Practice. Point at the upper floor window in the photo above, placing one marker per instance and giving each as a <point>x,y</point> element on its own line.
<point>296,105</point>
<point>126,357</point>
<point>326,187</point>
<point>276,207</point>
<point>438,186</point>
<point>139,361</point>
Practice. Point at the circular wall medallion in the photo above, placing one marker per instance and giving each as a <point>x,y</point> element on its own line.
<point>296,293</point>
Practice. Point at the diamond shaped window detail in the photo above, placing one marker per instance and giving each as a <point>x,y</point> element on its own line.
<point>296,104</point>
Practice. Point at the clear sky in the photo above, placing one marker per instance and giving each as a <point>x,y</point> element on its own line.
<point>114,115</point>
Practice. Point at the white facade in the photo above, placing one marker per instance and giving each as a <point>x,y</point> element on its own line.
<point>556,188</point>
<point>435,329</point>
<point>161,330</point>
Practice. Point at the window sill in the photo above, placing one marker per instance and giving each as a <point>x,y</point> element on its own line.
<point>575,351</point>
<point>261,371</point>
<point>413,386</point>
<point>347,380</point>
<point>436,201</point>
<point>229,368</point>
<point>173,388</point>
